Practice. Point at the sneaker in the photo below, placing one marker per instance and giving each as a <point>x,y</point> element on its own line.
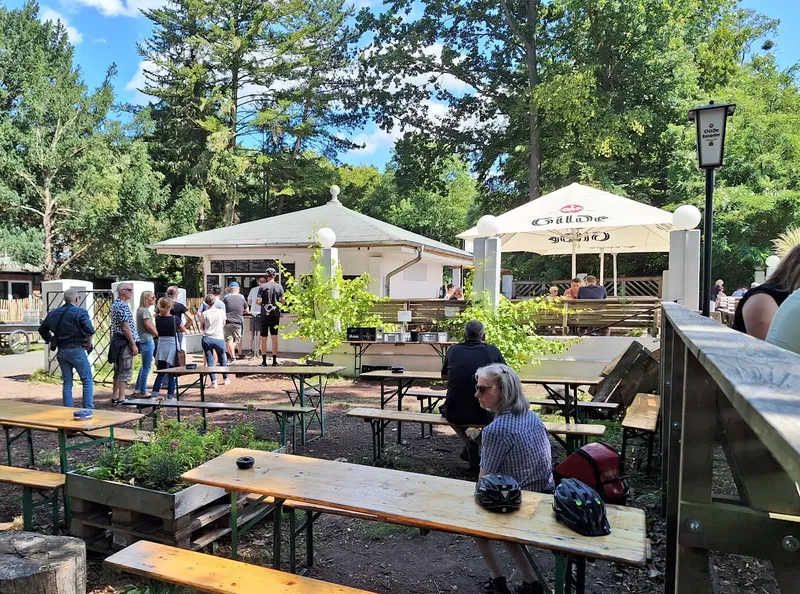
<point>526,588</point>
<point>264,364</point>
<point>214,385</point>
<point>227,382</point>
<point>495,586</point>
<point>170,396</point>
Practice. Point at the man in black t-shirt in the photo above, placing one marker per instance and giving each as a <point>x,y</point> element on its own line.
<point>270,296</point>
<point>460,364</point>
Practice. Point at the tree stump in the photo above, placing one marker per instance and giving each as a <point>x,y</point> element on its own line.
<point>39,564</point>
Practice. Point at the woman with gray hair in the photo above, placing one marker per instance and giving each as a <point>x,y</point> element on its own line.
<point>515,443</point>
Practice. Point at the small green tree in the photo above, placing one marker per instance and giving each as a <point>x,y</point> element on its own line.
<point>326,307</point>
<point>511,327</point>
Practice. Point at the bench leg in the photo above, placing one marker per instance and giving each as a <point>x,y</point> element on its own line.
<point>8,445</point>
<point>377,446</point>
<point>309,538</point>
<point>27,509</point>
<point>292,541</point>
<point>29,438</point>
<point>650,440</point>
<point>234,524</point>
<point>283,428</point>
<point>624,447</point>
<point>54,499</point>
<point>276,534</point>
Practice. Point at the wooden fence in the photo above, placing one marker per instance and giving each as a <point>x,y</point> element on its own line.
<point>722,386</point>
<point>14,310</point>
<point>631,286</point>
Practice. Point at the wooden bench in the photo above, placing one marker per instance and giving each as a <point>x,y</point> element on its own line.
<point>122,434</point>
<point>208,573</point>
<point>44,484</point>
<point>285,415</point>
<point>379,418</point>
<point>606,407</point>
<point>641,422</point>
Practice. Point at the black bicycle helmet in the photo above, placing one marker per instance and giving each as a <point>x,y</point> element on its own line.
<point>579,507</point>
<point>498,492</point>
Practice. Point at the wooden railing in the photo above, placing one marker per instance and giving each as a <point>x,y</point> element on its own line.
<point>719,385</point>
<point>631,286</point>
<point>621,314</point>
<point>16,310</point>
<point>425,313</point>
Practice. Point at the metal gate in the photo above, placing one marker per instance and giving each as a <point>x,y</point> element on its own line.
<point>98,303</point>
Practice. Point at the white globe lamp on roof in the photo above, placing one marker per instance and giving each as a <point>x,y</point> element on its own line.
<point>335,193</point>
<point>326,236</point>
<point>488,226</point>
<point>686,217</point>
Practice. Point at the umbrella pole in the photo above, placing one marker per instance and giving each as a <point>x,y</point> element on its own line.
<point>602,265</point>
<point>574,257</point>
<point>615,273</point>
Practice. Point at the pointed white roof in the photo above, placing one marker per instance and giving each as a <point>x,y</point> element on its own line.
<point>297,229</point>
<point>594,220</point>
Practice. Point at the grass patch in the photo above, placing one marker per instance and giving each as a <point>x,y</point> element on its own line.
<point>47,459</point>
<point>40,376</point>
<point>379,530</point>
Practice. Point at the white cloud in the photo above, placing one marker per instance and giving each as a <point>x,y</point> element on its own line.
<point>139,81</point>
<point>112,8</point>
<point>375,140</point>
<point>99,40</point>
<point>48,14</point>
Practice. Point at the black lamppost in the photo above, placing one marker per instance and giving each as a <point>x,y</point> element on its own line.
<point>711,122</point>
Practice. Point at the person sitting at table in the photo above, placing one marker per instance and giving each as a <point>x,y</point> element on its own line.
<point>575,286</point>
<point>460,364</point>
<point>515,443</point>
<point>169,328</point>
<point>553,292</point>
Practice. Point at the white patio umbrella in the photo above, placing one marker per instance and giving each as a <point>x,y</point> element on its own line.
<point>578,219</point>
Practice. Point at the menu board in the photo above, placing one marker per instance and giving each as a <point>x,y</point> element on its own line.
<point>242,266</point>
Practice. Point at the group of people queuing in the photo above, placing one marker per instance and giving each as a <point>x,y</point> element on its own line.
<point>156,332</point>
<point>580,290</point>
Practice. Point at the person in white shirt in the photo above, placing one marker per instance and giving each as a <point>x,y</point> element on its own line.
<point>212,321</point>
<point>784,331</point>
<point>252,296</point>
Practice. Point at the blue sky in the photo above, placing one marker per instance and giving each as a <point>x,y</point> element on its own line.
<point>106,31</point>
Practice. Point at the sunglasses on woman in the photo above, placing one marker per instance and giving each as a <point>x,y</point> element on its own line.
<point>482,389</point>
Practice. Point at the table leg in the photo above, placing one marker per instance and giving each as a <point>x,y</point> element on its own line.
<point>27,509</point>
<point>234,524</point>
<point>561,574</point>
<point>302,397</point>
<point>203,399</point>
<point>62,452</point>
<point>321,391</point>
<point>292,553</point>
<point>309,539</point>
<point>276,534</point>
<point>399,408</point>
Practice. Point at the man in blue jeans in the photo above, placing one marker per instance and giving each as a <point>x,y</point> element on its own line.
<point>70,328</point>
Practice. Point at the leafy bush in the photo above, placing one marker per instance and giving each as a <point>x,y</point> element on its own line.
<point>326,307</point>
<point>511,327</point>
<point>175,449</point>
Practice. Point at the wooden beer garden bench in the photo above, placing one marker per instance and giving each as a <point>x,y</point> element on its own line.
<point>285,415</point>
<point>379,419</point>
<point>44,484</point>
<point>583,407</point>
<point>207,573</point>
<point>641,422</point>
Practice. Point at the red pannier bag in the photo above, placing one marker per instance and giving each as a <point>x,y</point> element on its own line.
<point>598,465</point>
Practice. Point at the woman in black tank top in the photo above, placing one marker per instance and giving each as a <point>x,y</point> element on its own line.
<point>755,311</point>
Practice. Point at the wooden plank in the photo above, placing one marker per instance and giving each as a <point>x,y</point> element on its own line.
<point>298,370</point>
<point>323,509</point>
<point>585,405</point>
<point>423,501</point>
<point>761,381</point>
<point>60,417</point>
<point>208,573</point>
<point>123,434</point>
<point>643,413</point>
<point>576,429</point>
<point>406,374</point>
<point>31,478</point>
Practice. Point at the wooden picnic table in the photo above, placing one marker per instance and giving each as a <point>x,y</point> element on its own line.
<point>360,347</point>
<point>547,374</point>
<point>31,417</point>
<point>422,501</point>
<point>301,376</point>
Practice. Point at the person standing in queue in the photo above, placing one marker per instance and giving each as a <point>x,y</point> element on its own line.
<point>235,308</point>
<point>270,298</point>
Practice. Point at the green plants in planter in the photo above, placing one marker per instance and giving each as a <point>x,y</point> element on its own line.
<point>326,307</point>
<point>175,448</point>
<point>511,327</point>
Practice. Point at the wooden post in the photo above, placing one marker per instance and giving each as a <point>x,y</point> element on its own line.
<point>37,564</point>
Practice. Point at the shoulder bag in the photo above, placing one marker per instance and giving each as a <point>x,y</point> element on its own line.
<point>180,354</point>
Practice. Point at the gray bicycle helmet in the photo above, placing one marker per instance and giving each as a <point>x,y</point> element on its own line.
<point>579,507</point>
<point>498,492</point>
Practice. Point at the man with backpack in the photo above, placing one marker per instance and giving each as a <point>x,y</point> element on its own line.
<point>270,296</point>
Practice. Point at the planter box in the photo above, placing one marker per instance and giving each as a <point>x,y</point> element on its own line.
<point>110,516</point>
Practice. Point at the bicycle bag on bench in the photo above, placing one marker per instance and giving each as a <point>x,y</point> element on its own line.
<point>598,465</point>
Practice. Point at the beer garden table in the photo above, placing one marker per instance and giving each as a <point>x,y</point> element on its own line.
<point>360,347</point>
<point>301,376</point>
<point>421,501</point>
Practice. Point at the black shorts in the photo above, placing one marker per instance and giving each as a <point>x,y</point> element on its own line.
<point>269,324</point>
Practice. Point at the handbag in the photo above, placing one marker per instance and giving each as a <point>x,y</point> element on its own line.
<point>180,355</point>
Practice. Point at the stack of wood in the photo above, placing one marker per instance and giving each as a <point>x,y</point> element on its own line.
<point>634,371</point>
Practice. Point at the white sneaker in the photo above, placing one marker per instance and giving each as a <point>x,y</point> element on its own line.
<point>227,382</point>
<point>214,385</point>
